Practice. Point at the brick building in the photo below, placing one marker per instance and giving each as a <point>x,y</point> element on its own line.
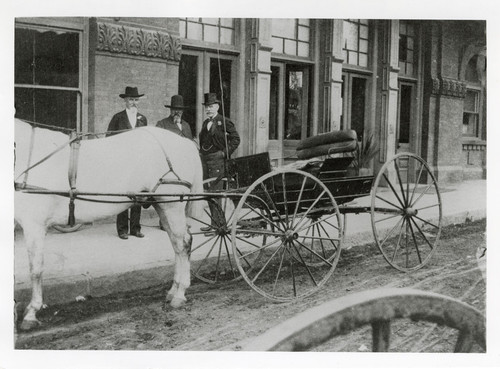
<point>412,85</point>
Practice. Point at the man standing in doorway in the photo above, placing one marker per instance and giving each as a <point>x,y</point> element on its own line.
<point>218,140</point>
<point>125,120</point>
<point>174,121</point>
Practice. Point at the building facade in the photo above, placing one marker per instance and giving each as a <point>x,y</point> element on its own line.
<point>407,85</point>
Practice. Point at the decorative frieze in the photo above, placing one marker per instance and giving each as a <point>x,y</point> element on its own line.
<point>479,146</point>
<point>137,41</point>
<point>448,87</point>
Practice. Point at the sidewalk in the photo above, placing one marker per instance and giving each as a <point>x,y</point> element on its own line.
<point>95,261</point>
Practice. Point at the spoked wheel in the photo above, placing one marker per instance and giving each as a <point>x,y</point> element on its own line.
<point>406,212</point>
<point>211,251</point>
<point>294,224</point>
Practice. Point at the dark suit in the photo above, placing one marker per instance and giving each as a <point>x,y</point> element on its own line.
<point>120,122</point>
<point>213,154</point>
<point>168,123</point>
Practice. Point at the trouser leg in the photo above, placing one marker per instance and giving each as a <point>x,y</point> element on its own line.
<point>135,219</point>
<point>122,222</point>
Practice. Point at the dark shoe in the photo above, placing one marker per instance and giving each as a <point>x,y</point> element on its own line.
<point>137,234</point>
<point>123,236</point>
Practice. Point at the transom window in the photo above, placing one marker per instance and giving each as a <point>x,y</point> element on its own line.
<point>47,76</point>
<point>356,42</point>
<point>291,36</point>
<point>217,30</point>
<point>407,48</point>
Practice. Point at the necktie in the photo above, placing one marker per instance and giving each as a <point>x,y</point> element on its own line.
<point>179,124</point>
<point>209,125</point>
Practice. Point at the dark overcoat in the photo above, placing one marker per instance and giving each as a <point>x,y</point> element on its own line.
<point>120,122</point>
<point>168,123</point>
<point>215,139</point>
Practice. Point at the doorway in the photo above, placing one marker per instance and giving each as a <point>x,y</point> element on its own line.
<point>201,72</point>
<point>289,109</point>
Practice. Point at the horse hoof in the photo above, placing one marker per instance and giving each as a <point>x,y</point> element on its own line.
<point>177,302</point>
<point>28,325</point>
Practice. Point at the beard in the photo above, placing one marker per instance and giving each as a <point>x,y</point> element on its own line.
<point>133,109</point>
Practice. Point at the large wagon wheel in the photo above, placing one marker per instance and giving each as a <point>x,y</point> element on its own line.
<point>406,212</point>
<point>280,211</point>
<point>378,308</point>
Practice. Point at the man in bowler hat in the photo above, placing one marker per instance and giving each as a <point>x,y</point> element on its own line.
<point>125,120</point>
<point>174,121</point>
<point>216,132</point>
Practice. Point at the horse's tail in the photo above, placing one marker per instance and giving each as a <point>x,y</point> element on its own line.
<point>194,209</point>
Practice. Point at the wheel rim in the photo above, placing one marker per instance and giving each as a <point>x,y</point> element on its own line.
<point>288,205</point>
<point>211,252</point>
<point>406,212</point>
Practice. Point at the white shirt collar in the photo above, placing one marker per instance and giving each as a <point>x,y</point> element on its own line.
<point>132,117</point>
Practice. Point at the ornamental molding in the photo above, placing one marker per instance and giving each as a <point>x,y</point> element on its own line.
<point>448,87</point>
<point>128,40</point>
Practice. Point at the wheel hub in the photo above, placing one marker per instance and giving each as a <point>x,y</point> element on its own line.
<point>290,235</point>
<point>411,212</point>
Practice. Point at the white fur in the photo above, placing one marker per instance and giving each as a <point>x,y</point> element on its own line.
<point>129,162</point>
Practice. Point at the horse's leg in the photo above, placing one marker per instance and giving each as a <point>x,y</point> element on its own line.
<point>34,235</point>
<point>173,218</point>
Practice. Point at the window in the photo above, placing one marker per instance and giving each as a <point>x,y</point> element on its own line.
<point>47,76</point>
<point>291,37</point>
<point>356,42</point>
<point>470,124</point>
<point>407,48</point>
<point>216,30</point>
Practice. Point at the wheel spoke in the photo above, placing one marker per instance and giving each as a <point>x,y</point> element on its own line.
<point>279,269</point>
<point>390,203</point>
<point>422,194</point>
<point>318,221</point>
<point>269,221</point>
<point>271,202</point>
<point>399,241</point>
<point>267,263</point>
<point>426,222</point>
<point>229,257</point>
<point>387,218</point>
<point>309,209</point>
<point>293,274</point>
<point>259,248</point>
<point>298,200</point>
<point>204,243</point>
<point>422,233</point>
<point>284,197</point>
<point>416,244</point>
<point>390,232</point>
<point>218,262</point>
<point>400,182</point>
<point>315,253</point>
<point>305,264</point>
<point>428,207</point>
<point>330,239</point>
<point>394,191</point>
<point>207,255</point>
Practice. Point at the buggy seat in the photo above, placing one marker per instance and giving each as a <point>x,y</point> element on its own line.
<point>327,143</point>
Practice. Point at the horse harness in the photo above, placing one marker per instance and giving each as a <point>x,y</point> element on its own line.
<point>74,143</point>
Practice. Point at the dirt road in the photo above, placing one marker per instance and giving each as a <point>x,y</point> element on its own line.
<point>225,316</point>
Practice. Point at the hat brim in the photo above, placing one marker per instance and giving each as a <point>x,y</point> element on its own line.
<point>125,95</point>
<point>176,107</point>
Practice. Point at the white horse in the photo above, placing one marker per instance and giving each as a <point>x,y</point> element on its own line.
<point>129,162</point>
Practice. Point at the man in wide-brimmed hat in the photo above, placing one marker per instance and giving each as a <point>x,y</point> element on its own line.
<point>218,140</point>
<point>125,120</point>
<point>174,121</point>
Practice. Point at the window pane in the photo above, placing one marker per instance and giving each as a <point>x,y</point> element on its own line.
<point>363,31</point>
<point>194,31</point>
<point>227,22</point>
<point>214,21</point>
<point>52,107</point>
<point>274,104</point>
<point>24,60</point>
<point>469,127</point>
<point>409,69</point>
<point>303,34</point>
<point>350,36</point>
<point>363,60</point>
<point>225,79</point>
<point>294,107</point>
<point>410,43</point>
<point>182,29</point>
<point>363,46</point>
<point>363,21</point>
<point>283,28</point>
<point>211,34</point>
<point>353,57</point>
<point>277,45</point>
<point>470,101</point>
<point>226,36</point>
<point>303,49</point>
<point>304,22</point>
<point>290,47</point>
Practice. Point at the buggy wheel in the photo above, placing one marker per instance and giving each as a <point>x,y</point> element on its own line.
<point>211,252</point>
<point>280,211</point>
<point>406,212</point>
